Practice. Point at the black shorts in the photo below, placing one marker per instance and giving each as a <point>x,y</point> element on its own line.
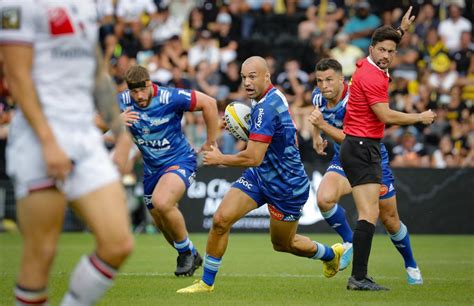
<point>360,159</point>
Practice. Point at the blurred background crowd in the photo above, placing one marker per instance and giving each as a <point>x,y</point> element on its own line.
<point>200,44</point>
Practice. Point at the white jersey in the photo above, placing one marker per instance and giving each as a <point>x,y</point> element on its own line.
<point>64,36</point>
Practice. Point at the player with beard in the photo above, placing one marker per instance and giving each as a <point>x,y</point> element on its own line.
<point>330,99</point>
<point>153,115</point>
<point>367,113</point>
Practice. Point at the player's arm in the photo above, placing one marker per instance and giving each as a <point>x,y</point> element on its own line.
<point>252,156</point>
<point>106,104</point>
<point>105,99</point>
<point>18,63</point>
<point>389,116</point>
<point>208,106</point>
<point>336,134</point>
<point>319,144</point>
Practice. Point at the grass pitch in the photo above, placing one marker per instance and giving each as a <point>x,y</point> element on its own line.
<point>253,274</point>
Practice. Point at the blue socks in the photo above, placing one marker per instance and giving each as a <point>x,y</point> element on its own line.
<point>211,266</point>
<point>401,240</point>
<point>184,246</point>
<point>323,252</point>
<point>336,218</point>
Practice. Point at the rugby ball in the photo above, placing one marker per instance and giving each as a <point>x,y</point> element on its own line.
<point>237,119</point>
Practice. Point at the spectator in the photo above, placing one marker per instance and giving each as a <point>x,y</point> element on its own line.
<point>442,78</point>
<point>204,50</point>
<point>443,157</point>
<point>173,54</point>
<point>361,26</point>
<point>426,20</point>
<point>450,29</point>
<point>231,80</point>
<point>164,26</point>
<point>207,80</point>
<point>315,50</point>
<point>293,82</point>
<point>410,152</point>
<point>407,57</point>
<point>178,80</point>
<point>463,56</point>
<point>228,44</point>
<point>430,47</point>
<point>146,51</point>
<point>346,54</point>
<point>192,28</point>
<point>129,16</point>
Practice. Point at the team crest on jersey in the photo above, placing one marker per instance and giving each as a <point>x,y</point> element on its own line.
<point>11,18</point>
<point>144,116</point>
<point>146,130</point>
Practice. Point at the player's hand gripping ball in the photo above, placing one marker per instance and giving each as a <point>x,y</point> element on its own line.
<point>237,119</point>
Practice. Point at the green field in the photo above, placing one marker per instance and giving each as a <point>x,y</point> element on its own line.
<point>253,274</point>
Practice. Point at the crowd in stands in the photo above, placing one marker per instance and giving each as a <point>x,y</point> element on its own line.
<point>200,44</point>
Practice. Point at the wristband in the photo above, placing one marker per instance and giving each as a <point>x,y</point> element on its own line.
<point>401,31</point>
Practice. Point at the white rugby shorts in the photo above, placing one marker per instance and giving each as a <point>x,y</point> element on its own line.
<point>92,168</point>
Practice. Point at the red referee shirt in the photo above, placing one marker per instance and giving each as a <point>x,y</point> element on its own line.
<point>369,85</point>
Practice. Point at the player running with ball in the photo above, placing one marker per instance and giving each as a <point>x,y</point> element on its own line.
<point>276,176</point>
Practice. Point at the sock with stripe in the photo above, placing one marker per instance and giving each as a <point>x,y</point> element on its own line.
<point>184,246</point>
<point>323,252</point>
<point>401,240</point>
<point>25,296</point>
<point>211,267</point>
<point>336,218</point>
<point>91,278</point>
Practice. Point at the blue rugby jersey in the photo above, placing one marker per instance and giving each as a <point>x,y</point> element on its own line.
<point>334,116</point>
<point>281,173</point>
<point>158,132</point>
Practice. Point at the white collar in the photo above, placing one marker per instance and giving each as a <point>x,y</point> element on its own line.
<point>369,59</point>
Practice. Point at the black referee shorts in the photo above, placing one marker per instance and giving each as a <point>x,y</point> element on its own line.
<point>361,160</point>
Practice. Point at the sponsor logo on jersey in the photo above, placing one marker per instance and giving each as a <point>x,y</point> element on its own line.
<point>258,121</point>
<point>154,143</point>
<point>335,167</point>
<point>245,183</point>
<point>59,22</point>
<point>289,218</point>
<point>275,213</point>
<point>156,122</point>
<point>174,167</point>
<point>383,190</point>
<point>11,18</point>
<point>69,53</point>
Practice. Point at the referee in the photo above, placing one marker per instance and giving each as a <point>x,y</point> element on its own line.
<point>364,124</point>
